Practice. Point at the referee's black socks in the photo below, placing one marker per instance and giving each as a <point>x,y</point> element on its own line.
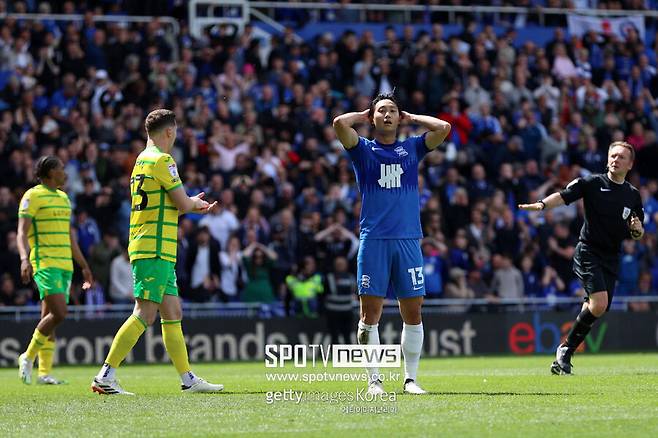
<point>580,329</point>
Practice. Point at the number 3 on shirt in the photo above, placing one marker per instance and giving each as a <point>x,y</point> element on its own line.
<point>145,198</point>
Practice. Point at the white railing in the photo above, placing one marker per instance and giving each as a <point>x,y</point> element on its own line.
<point>452,11</point>
<point>431,305</point>
<point>234,12</point>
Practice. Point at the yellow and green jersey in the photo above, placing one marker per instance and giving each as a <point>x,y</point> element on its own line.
<point>153,216</point>
<point>307,288</point>
<point>50,233</point>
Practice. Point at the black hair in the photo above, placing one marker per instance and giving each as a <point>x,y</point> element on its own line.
<point>44,165</point>
<point>383,96</point>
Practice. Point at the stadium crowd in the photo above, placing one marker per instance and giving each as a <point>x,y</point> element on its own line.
<point>255,133</point>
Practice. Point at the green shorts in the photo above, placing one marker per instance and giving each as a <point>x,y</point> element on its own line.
<point>154,278</point>
<point>51,281</point>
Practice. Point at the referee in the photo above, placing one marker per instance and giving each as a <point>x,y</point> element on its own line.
<point>613,212</point>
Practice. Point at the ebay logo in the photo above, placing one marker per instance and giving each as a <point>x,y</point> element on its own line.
<point>544,336</point>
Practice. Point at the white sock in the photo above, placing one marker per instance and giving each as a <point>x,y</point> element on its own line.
<point>412,345</point>
<point>107,372</point>
<point>368,334</point>
<point>188,378</point>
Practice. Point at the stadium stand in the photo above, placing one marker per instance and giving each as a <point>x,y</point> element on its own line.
<point>255,133</point>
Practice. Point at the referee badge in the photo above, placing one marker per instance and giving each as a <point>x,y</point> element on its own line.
<point>626,213</point>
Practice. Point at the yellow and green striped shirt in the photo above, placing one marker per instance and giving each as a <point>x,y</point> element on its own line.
<point>50,233</point>
<point>153,216</point>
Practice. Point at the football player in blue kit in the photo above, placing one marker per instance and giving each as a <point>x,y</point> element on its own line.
<point>389,252</point>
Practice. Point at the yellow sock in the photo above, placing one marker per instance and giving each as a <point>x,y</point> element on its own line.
<point>125,340</point>
<point>37,342</point>
<point>172,336</point>
<point>46,354</point>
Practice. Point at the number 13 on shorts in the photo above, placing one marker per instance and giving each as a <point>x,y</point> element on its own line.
<point>417,279</point>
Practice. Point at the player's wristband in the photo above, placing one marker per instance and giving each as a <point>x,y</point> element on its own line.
<point>543,204</point>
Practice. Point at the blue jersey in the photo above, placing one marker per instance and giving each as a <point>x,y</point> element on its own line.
<point>387,176</point>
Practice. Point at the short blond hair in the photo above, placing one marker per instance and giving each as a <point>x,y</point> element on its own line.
<point>625,145</point>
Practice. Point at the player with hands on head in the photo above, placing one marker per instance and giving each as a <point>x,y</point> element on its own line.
<point>613,212</point>
<point>389,249</point>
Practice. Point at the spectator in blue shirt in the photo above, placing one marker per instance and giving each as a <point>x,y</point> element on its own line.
<point>433,269</point>
<point>88,232</point>
<point>629,269</point>
<point>531,281</point>
<point>645,288</point>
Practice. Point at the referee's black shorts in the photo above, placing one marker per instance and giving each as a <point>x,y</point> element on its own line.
<point>597,272</point>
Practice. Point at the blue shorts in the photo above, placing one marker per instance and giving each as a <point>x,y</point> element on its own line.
<point>394,264</point>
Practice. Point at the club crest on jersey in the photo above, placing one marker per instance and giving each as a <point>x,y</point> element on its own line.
<point>401,151</point>
<point>173,171</point>
<point>626,213</point>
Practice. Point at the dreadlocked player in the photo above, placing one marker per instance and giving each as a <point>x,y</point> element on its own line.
<point>46,245</point>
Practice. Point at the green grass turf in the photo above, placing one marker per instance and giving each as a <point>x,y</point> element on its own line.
<point>611,395</point>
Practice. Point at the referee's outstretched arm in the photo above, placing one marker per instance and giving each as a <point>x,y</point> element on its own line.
<point>621,156</point>
<point>573,192</point>
<point>551,201</point>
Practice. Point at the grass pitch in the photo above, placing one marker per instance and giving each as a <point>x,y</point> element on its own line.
<point>611,395</point>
